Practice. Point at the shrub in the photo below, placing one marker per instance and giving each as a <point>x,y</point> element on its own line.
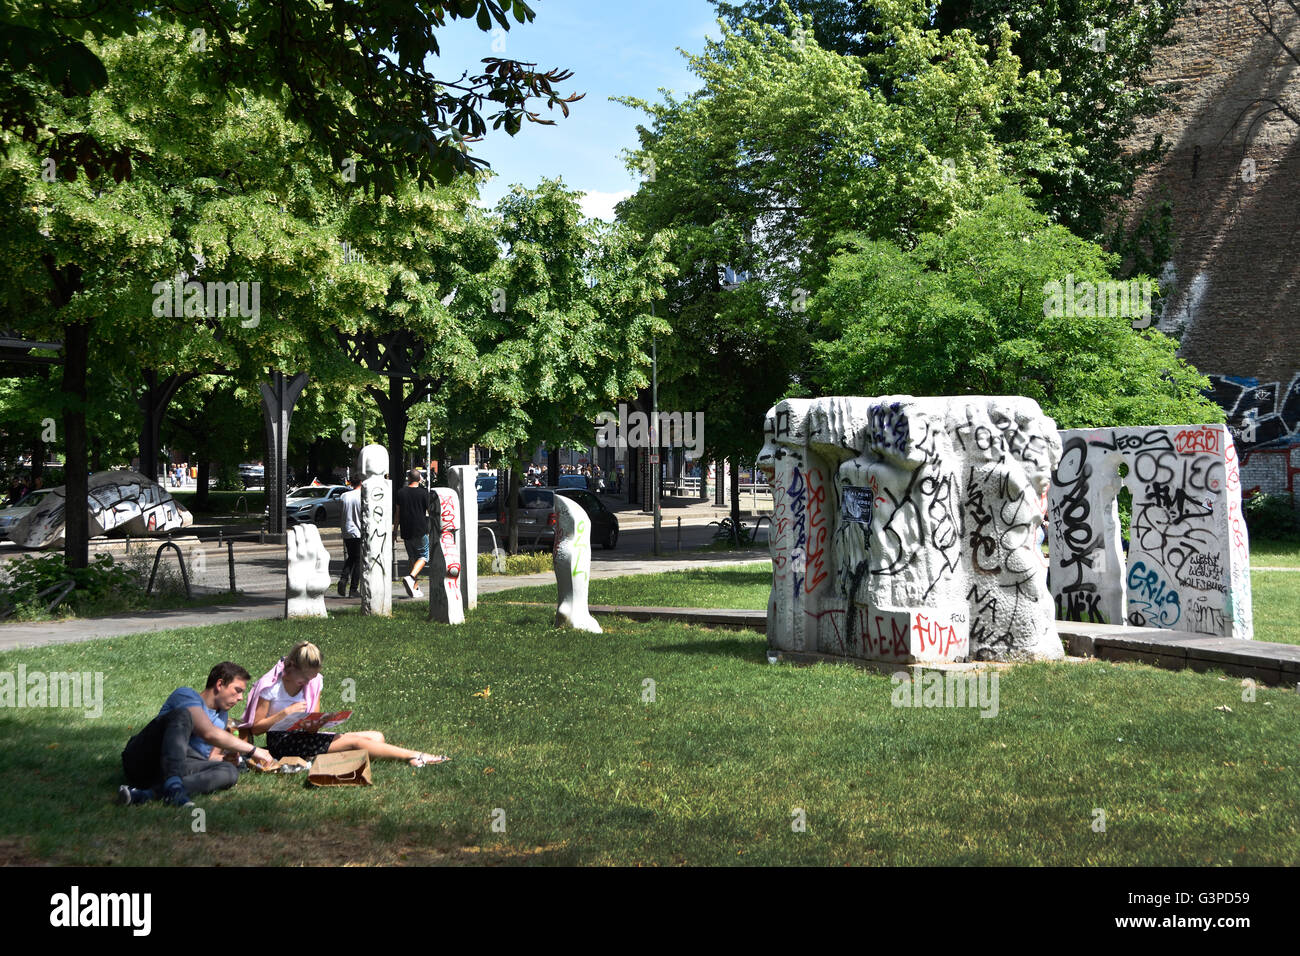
<point>1271,517</point>
<point>103,581</point>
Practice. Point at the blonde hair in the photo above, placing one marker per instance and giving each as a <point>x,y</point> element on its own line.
<point>305,656</point>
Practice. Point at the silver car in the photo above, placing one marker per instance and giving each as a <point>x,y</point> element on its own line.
<point>315,504</point>
<point>11,516</point>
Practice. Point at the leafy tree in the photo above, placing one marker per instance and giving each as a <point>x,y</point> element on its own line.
<point>1095,53</point>
<point>785,146</point>
<point>968,311</point>
<point>355,74</point>
<point>568,329</point>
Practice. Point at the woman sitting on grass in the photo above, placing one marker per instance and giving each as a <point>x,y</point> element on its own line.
<point>290,691</point>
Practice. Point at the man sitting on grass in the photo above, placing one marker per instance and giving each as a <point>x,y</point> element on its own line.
<point>180,751</point>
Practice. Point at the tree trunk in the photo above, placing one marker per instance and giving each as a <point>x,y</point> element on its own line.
<point>201,490</point>
<point>76,348</point>
<point>552,466</point>
<point>512,511</point>
<point>735,505</point>
<point>38,460</point>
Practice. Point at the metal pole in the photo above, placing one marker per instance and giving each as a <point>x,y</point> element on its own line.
<point>654,432</point>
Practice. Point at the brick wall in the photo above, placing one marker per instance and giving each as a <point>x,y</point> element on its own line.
<point>1233,176</point>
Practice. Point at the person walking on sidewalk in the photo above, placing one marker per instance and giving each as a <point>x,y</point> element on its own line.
<point>180,751</point>
<point>411,519</point>
<point>351,522</point>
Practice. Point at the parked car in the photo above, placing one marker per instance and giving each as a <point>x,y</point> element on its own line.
<point>12,515</point>
<point>315,504</point>
<point>486,487</point>
<point>253,476</point>
<point>537,517</point>
<point>575,481</point>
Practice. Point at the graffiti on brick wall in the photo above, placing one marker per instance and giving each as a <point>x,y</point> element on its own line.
<point>1188,562</point>
<point>908,528</point>
<point>1259,414</point>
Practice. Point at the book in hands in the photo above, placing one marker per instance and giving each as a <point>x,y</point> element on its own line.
<point>315,723</point>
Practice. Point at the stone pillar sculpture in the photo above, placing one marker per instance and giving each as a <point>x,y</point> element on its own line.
<point>462,480</point>
<point>906,529</point>
<point>573,566</point>
<point>1188,564</point>
<point>376,532</point>
<point>307,572</point>
<point>445,569</point>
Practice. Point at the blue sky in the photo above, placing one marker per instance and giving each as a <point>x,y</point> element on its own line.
<point>614,48</point>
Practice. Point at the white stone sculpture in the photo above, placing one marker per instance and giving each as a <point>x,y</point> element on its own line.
<point>906,529</point>
<point>445,570</point>
<point>307,572</point>
<point>1188,565</point>
<point>114,499</point>
<point>376,532</point>
<point>573,566</point>
<point>463,480</point>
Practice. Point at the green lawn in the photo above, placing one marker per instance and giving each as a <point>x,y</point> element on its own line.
<point>1275,554</point>
<point>710,772</point>
<point>1275,594</point>
<point>727,587</point>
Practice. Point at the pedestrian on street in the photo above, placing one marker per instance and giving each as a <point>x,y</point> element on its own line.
<point>412,521</point>
<point>350,578</point>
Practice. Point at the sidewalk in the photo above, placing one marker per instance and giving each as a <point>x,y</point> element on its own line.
<point>250,608</point>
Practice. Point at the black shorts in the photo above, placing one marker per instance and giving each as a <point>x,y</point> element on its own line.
<point>282,744</point>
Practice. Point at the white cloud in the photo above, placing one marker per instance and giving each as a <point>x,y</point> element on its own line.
<point>599,205</point>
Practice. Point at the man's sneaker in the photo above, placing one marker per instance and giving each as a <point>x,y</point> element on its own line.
<point>343,583</point>
<point>418,594</point>
<point>408,582</point>
<point>177,797</point>
<point>130,795</point>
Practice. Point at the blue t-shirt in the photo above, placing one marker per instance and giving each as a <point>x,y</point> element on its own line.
<point>189,697</point>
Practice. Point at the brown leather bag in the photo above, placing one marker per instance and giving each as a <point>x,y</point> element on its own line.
<point>347,768</point>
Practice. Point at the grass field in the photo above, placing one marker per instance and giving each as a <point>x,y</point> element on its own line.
<point>1275,594</point>
<point>570,756</point>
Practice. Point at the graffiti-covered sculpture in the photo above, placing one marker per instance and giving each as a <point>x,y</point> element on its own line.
<point>115,499</point>
<point>307,572</point>
<point>572,566</point>
<point>907,529</point>
<point>376,532</point>
<point>462,479</point>
<point>1188,563</point>
<point>445,569</point>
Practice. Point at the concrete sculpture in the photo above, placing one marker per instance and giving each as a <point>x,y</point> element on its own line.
<point>573,566</point>
<point>906,529</point>
<point>463,481</point>
<point>1188,564</point>
<point>307,572</point>
<point>445,569</point>
<point>376,532</point>
<point>115,499</point>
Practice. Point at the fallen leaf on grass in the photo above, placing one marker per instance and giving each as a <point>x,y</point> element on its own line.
<point>485,693</point>
<point>1225,708</point>
<point>489,770</point>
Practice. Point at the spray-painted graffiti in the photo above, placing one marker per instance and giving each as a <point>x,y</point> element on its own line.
<point>1187,547</point>
<point>1259,414</point>
<point>446,605</point>
<point>907,528</point>
<point>114,499</point>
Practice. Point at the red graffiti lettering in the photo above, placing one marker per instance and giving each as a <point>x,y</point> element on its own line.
<point>817,527</point>
<point>1191,441</point>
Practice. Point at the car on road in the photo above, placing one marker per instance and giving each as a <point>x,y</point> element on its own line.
<point>15,513</point>
<point>537,517</point>
<point>253,476</point>
<point>575,481</point>
<point>486,488</point>
<point>315,504</point>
